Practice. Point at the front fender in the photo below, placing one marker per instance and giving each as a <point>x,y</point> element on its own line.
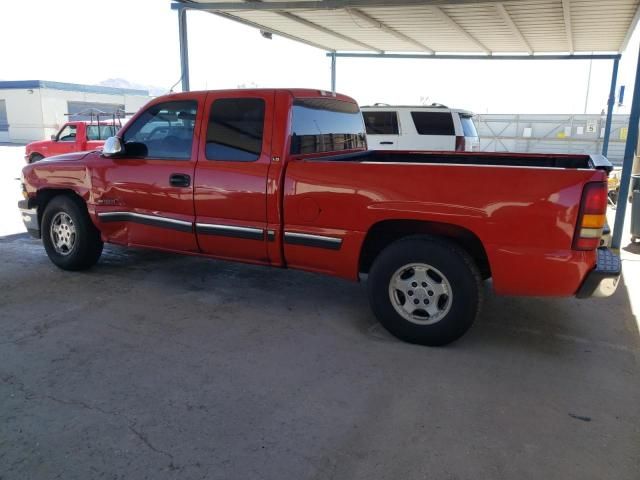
<point>64,172</point>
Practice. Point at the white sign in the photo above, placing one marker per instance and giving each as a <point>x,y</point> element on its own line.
<point>592,126</point>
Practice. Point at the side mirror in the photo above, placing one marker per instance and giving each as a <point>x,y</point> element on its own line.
<point>136,149</point>
<point>112,147</point>
<point>53,137</point>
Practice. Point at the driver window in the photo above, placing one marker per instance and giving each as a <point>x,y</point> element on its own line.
<point>164,131</point>
<point>67,134</point>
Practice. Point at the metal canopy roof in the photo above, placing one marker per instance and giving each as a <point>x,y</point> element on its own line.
<point>440,26</point>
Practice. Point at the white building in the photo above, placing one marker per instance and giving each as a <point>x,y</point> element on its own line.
<point>35,109</point>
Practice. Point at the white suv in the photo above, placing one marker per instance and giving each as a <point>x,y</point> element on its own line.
<point>433,127</point>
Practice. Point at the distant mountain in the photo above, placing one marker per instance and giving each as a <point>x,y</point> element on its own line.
<point>122,83</point>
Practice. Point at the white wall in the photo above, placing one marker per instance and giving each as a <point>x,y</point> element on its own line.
<point>133,103</point>
<point>24,114</point>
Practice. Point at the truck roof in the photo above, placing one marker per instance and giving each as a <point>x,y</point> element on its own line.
<point>294,92</point>
<point>89,122</point>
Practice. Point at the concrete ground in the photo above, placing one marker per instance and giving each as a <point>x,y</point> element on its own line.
<point>162,367</point>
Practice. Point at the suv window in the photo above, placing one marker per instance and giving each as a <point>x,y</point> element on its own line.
<point>381,123</point>
<point>67,134</point>
<point>468,127</point>
<point>326,125</point>
<point>433,123</point>
<point>165,129</point>
<point>235,129</point>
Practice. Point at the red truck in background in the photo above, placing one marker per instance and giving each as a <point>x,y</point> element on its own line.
<point>76,136</point>
<point>283,178</point>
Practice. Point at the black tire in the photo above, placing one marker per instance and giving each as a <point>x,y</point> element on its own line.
<point>86,245</point>
<point>458,311</point>
<point>36,157</point>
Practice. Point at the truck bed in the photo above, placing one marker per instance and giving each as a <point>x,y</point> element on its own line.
<point>476,158</point>
<point>523,209</point>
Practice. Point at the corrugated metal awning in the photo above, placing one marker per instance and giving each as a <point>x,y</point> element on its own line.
<point>441,26</point>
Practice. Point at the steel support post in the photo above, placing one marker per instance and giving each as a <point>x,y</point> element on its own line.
<point>184,48</point>
<point>611,104</point>
<point>627,165</point>
<point>333,72</point>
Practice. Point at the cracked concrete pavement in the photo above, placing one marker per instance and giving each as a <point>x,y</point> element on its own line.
<point>156,366</point>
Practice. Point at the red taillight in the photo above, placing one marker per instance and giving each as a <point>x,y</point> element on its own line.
<point>460,144</point>
<point>592,216</point>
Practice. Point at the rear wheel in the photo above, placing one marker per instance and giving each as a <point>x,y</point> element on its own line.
<point>425,290</point>
<point>36,157</point>
<point>70,239</point>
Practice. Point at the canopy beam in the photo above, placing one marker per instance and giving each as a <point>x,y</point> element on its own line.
<point>454,56</point>
<point>439,13</point>
<point>566,11</point>
<point>184,49</point>
<point>627,164</point>
<point>322,5</point>
<point>502,11</point>
<point>326,30</point>
<point>611,103</point>
<point>391,31</point>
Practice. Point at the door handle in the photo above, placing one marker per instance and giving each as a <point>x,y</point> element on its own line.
<point>386,143</point>
<point>179,180</point>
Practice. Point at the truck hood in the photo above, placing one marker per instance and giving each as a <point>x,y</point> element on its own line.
<point>67,157</point>
<point>35,145</point>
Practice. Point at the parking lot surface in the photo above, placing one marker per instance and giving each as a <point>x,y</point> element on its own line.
<point>163,366</point>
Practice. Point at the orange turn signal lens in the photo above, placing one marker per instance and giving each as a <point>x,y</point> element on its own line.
<point>593,221</point>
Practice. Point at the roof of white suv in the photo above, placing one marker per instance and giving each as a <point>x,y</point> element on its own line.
<point>436,107</point>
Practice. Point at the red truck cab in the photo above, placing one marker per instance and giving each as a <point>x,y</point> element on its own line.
<point>76,136</point>
<point>283,178</point>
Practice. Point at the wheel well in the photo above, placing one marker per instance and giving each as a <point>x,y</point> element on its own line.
<point>383,234</point>
<point>44,196</point>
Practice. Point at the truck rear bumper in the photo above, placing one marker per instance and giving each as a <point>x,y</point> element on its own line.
<point>602,281</point>
<point>30,218</point>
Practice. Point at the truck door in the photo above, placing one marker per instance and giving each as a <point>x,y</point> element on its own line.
<point>65,141</point>
<point>427,130</point>
<point>145,196</point>
<point>231,175</point>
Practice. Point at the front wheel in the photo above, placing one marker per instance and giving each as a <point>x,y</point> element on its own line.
<point>425,290</point>
<point>36,157</point>
<point>70,239</point>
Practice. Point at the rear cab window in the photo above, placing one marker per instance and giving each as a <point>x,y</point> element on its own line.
<point>433,123</point>
<point>322,125</point>
<point>381,123</point>
<point>100,132</point>
<point>235,129</point>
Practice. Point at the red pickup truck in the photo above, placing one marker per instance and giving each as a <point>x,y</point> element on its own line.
<point>283,178</point>
<point>72,137</point>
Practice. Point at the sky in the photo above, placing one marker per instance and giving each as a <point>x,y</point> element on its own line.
<point>90,41</point>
